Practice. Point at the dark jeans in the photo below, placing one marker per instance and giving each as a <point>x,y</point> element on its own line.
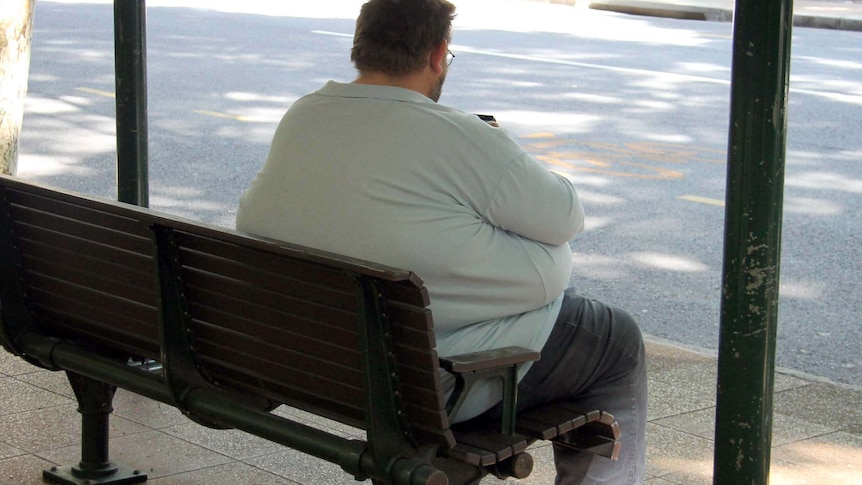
<point>594,358</point>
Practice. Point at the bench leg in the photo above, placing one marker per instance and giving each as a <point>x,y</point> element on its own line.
<point>95,468</point>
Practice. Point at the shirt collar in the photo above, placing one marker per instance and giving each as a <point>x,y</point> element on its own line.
<point>372,91</point>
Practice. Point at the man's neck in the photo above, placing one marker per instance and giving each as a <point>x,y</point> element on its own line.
<point>413,82</point>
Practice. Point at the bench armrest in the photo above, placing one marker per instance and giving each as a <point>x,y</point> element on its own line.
<point>488,359</point>
<point>495,363</point>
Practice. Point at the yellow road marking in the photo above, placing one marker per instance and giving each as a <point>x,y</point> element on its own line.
<point>702,200</point>
<point>216,114</point>
<point>100,92</point>
<point>533,136</point>
<point>604,168</point>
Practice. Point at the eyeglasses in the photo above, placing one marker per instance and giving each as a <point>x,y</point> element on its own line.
<point>449,57</point>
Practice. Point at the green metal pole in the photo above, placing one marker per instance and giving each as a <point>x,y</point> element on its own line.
<point>755,187</point>
<point>130,50</point>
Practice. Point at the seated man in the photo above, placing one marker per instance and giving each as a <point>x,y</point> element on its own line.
<point>376,169</point>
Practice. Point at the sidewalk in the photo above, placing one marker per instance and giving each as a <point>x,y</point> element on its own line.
<point>824,14</point>
<point>817,436</point>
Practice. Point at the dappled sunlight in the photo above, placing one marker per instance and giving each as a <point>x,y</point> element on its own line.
<point>843,64</point>
<point>834,458</point>
<point>669,262</point>
<point>821,82</point>
<point>513,16</point>
<point>593,223</point>
<point>598,267</point>
<point>806,290</point>
<point>594,98</point>
<point>246,96</point>
<point>560,122</point>
<point>812,206</point>
<point>600,198</point>
<point>315,9</point>
<point>64,125</point>
<point>703,67</point>
<point>824,181</point>
<point>582,179</point>
<point>651,106</point>
<point>33,166</point>
<point>48,106</point>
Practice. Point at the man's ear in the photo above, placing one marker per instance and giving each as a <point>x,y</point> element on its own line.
<point>437,59</point>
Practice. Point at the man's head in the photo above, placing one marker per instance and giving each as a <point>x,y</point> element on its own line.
<point>398,37</point>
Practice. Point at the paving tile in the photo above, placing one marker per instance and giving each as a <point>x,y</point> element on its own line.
<point>824,404</point>
<point>696,475</point>
<point>835,458</point>
<point>784,382</point>
<point>58,426</point>
<point>146,411</point>
<point>55,382</point>
<point>669,360</point>
<point>334,427</point>
<point>8,451</point>
<point>11,365</point>
<point>672,398</point>
<point>22,470</point>
<point>231,473</point>
<point>229,442</point>
<point>674,452</point>
<point>786,428</point>
<point>152,452</point>
<point>659,481</point>
<point>17,396</point>
<point>302,468</point>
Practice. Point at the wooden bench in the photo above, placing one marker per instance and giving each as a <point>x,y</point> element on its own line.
<point>240,325</point>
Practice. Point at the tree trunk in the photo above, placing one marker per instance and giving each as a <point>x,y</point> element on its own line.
<point>16,26</point>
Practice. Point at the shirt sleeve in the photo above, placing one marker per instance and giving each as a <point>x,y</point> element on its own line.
<point>535,203</point>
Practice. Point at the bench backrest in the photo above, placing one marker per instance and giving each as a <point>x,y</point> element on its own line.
<point>248,315</point>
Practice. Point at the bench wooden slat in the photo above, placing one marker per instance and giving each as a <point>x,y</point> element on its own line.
<point>84,301</point>
<point>490,439</point>
<point>409,292</point>
<point>141,342</point>
<point>296,331</point>
<point>411,316</point>
<point>91,274</point>
<point>80,229</point>
<point>44,243</point>
<point>234,313</point>
<point>78,209</point>
<point>259,371</point>
<point>288,359</point>
<point>298,294</point>
<point>348,412</point>
<point>472,455</point>
<point>277,264</point>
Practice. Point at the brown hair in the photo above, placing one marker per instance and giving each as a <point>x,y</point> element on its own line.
<point>395,36</point>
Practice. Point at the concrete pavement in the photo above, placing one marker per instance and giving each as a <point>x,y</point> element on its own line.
<point>817,436</point>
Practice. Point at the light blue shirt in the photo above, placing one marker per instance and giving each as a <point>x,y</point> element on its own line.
<point>385,174</point>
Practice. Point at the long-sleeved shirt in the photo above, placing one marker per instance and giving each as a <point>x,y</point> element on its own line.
<point>386,174</point>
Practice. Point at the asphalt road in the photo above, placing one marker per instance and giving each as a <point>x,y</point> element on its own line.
<point>633,109</point>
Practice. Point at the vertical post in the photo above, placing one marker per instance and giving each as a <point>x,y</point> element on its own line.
<point>130,50</point>
<point>752,245</point>
<point>94,405</point>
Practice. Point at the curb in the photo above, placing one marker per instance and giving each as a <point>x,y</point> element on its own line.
<point>716,14</point>
<point>665,10</point>
<point>826,22</point>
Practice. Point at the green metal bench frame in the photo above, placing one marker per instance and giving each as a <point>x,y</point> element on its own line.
<point>241,325</point>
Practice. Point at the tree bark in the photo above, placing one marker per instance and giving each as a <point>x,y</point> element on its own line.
<point>16,27</point>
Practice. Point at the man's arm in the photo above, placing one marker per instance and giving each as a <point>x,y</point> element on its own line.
<point>537,204</point>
